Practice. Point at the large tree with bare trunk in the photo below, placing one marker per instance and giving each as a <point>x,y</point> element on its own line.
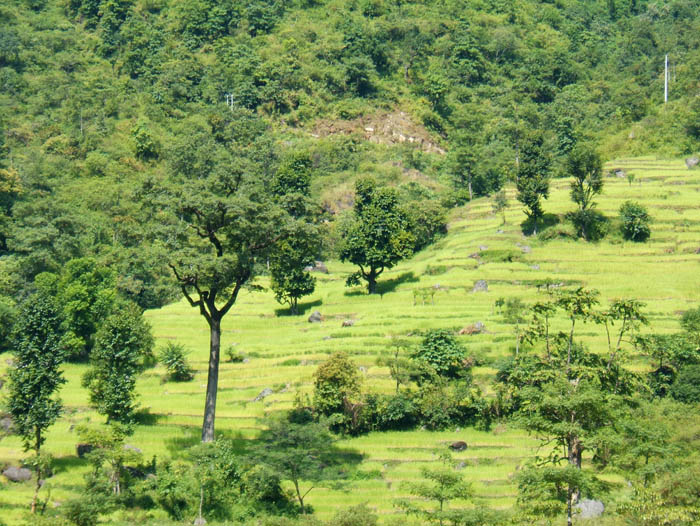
<point>218,218</point>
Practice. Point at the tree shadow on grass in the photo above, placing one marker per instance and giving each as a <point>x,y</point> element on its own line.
<point>385,286</point>
<point>390,285</point>
<point>67,463</point>
<point>145,418</point>
<point>192,436</point>
<point>302,308</point>
<point>530,226</point>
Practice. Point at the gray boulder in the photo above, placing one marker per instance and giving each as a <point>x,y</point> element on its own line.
<point>620,173</point>
<point>526,249</point>
<point>590,509</point>
<point>348,323</point>
<point>263,394</point>
<point>129,447</point>
<point>318,266</point>
<point>315,317</point>
<point>6,424</point>
<point>692,162</point>
<point>16,474</point>
<point>481,286</point>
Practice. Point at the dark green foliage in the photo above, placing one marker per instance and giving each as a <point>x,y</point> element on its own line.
<point>532,178</point>
<point>336,383</point>
<point>586,167</point>
<point>428,220</point>
<point>85,511</point>
<point>690,321</point>
<point>289,279</point>
<point>174,358</point>
<point>36,375</point>
<point>379,235</point>
<point>686,387</point>
<point>7,320</point>
<point>441,351</point>
<point>635,221</point>
<point>86,293</point>
<point>122,344</point>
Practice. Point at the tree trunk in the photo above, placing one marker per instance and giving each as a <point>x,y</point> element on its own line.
<point>372,281</point>
<point>37,450</point>
<point>300,497</point>
<point>212,380</point>
<point>569,506</point>
<point>471,194</point>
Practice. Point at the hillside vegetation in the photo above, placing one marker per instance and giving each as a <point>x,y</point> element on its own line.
<point>283,357</point>
<point>437,259</point>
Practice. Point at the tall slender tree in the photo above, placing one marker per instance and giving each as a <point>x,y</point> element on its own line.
<point>533,175</point>
<point>586,167</point>
<point>36,376</point>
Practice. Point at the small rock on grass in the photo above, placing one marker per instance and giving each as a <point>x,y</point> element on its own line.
<point>481,286</point>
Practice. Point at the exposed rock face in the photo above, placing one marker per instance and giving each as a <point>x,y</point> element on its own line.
<point>315,317</point>
<point>16,474</point>
<point>692,162</point>
<point>481,286</point>
<point>382,128</point>
<point>590,509</point>
<point>458,446</point>
<point>263,394</point>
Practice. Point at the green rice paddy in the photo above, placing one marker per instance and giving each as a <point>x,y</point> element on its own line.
<point>282,351</point>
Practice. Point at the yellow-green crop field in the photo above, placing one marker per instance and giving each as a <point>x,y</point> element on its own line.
<point>283,351</point>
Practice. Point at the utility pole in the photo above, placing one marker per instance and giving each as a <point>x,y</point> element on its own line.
<point>666,80</point>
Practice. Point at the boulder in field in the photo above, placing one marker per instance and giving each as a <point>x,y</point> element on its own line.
<point>458,446</point>
<point>481,286</point>
<point>692,162</point>
<point>16,474</point>
<point>590,509</point>
<point>263,394</point>
<point>315,317</point>
<point>348,323</point>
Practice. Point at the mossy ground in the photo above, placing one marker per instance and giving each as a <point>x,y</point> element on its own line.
<point>662,272</point>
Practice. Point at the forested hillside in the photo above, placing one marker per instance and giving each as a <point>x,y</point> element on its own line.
<point>436,258</point>
<point>98,95</point>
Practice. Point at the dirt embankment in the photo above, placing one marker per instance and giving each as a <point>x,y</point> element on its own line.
<point>383,128</point>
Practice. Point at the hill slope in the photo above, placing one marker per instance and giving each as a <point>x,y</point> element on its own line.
<point>282,351</point>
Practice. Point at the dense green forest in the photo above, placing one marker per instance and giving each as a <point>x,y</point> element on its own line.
<point>159,150</point>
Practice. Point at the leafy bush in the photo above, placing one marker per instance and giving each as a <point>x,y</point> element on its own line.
<point>397,412</point>
<point>359,515</point>
<point>442,352</point>
<point>635,221</point>
<point>428,222</point>
<point>85,511</point>
<point>335,381</point>
<point>174,357</point>
<point>686,387</point>
<point>590,224</point>
<point>233,355</point>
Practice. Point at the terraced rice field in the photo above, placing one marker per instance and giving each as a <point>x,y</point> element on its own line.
<point>283,351</point>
